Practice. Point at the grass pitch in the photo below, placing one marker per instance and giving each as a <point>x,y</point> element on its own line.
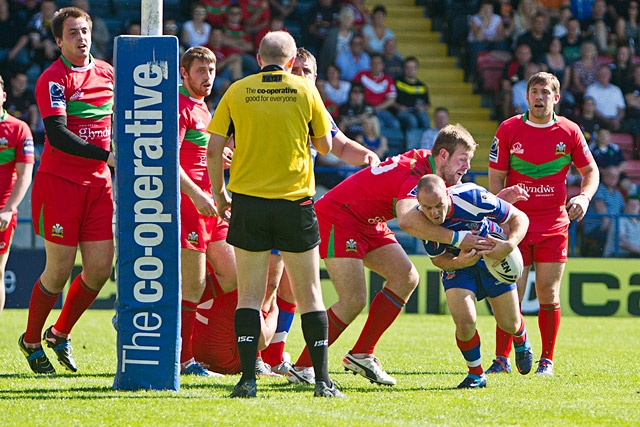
<point>597,382</point>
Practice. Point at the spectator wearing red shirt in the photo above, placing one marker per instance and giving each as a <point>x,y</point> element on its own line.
<point>379,91</point>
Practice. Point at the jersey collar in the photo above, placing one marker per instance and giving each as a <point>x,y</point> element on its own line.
<point>271,67</point>
<point>3,115</point>
<point>186,93</point>
<point>91,64</point>
<point>525,118</point>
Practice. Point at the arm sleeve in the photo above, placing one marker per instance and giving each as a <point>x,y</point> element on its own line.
<point>63,139</point>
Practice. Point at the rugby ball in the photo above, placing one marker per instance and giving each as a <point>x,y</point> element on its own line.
<point>510,269</point>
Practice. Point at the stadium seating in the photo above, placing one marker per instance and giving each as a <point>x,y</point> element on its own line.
<point>627,145</point>
<point>633,170</point>
<point>489,66</point>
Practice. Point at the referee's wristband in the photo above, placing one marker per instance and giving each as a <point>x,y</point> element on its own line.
<point>458,237</point>
<point>583,194</point>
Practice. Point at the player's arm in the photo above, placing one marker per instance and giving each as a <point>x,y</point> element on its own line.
<point>496,180</point>
<point>215,167</point>
<point>24,172</point>
<point>351,152</point>
<point>202,201</point>
<point>518,223</point>
<point>450,262</point>
<point>578,205</point>
<point>268,325</point>
<point>412,221</point>
<point>61,138</point>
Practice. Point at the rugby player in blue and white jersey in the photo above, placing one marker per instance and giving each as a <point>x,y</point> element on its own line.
<point>469,208</point>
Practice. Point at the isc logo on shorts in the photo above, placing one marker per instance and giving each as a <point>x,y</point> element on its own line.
<point>56,94</point>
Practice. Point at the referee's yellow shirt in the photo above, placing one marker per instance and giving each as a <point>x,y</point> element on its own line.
<point>271,114</point>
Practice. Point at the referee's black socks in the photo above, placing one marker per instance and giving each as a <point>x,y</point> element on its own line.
<point>315,330</point>
<point>247,328</point>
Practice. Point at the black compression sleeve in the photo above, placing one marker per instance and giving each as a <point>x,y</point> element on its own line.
<point>64,140</point>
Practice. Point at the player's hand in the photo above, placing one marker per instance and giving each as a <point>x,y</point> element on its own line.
<point>513,194</point>
<point>473,241</point>
<point>5,219</point>
<point>227,156</point>
<point>467,258</point>
<point>205,204</point>
<point>500,251</point>
<point>223,205</point>
<point>371,159</point>
<point>577,207</point>
<point>111,161</point>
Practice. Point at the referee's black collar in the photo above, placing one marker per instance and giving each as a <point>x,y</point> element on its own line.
<point>271,67</point>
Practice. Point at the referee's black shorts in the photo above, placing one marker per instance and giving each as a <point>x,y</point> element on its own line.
<point>259,224</point>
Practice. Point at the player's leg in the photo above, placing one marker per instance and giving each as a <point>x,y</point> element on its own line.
<point>548,278</point>
<point>462,306</point>
<point>6,236</point>
<point>3,264</point>
<point>221,256</point>
<point>392,263</point>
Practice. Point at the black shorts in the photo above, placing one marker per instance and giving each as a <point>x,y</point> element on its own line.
<point>259,224</point>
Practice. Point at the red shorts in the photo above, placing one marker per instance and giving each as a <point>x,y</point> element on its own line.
<point>7,235</point>
<point>344,236</point>
<point>545,247</point>
<point>197,230</point>
<point>66,213</point>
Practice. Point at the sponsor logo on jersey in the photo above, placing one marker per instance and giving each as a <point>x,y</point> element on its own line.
<point>27,147</point>
<point>77,95</point>
<point>538,189</point>
<point>57,231</point>
<point>193,238</point>
<point>561,148</point>
<point>517,148</point>
<point>2,246</point>
<point>4,142</point>
<point>448,275</point>
<point>56,95</point>
<point>494,150</point>
<point>376,219</point>
<point>413,192</point>
<point>271,78</point>
<point>351,246</point>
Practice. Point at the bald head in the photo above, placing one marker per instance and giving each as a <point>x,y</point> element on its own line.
<point>277,48</point>
<point>433,198</point>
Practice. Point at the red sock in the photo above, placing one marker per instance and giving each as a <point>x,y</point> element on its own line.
<point>274,353</point>
<point>188,317</point>
<point>503,342</point>
<point>521,335</point>
<point>549,323</point>
<point>40,306</point>
<point>471,353</point>
<point>385,308</point>
<point>78,300</point>
<point>336,327</point>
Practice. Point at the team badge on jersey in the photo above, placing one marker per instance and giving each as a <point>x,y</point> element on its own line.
<point>493,151</point>
<point>414,192</point>
<point>57,231</point>
<point>561,148</point>
<point>351,246</point>
<point>193,238</point>
<point>56,95</point>
<point>27,147</point>
<point>517,148</point>
<point>4,142</point>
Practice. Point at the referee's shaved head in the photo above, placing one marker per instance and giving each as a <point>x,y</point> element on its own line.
<point>277,47</point>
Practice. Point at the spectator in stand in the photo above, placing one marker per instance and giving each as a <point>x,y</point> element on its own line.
<point>21,104</point>
<point>512,73</point>
<point>600,28</point>
<point>320,18</point>
<point>393,61</point>
<point>335,87</point>
<point>14,49</point>
<point>617,8</point>
<point>170,28</point>
<point>582,9</point>
<point>43,44</point>
<point>572,41</point>
<point>376,33</point>
<point>552,8</point>
<point>538,37</point>
<point>237,39</point>
<point>607,200</point>
<point>361,13</point>
<point>276,23</point>
<point>519,103</point>
<point>605,153</point>
<point>631,92</point>
<point>441,119</point>
<point>560,30</point>
<point>196,31</point>
<point>371,137</point>
<point>100,35</point>
<point>379,91</point>
<point>507,16</point>
<point>628,231</point>
<point>412,102</point>
<point>628,27</point>
<point>621,67</point>
<point>523,19</point>
<point>217,10</point>
<point>228,63</point>
<point>485,33</point>
<point>353,60</point>
<point>284,8</point>
<point>256,15</point>
<point>134,28</point>
<point>351,114</point>
<point>587,120</point>
<point>331,106</point>
<point>611,106</point>
<point>338,38</point>
<point>556,63</point>
<point>584,70</point>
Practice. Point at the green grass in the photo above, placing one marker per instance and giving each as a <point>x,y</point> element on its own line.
<point>597,382</point>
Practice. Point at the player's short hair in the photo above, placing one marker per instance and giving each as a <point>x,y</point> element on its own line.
<point>451,137</point>
<point>544,78</point>
<point>62,15</point>
<point>1,83</point>
<point>277,47</point>
<point>305,55</point>
<point>197,52</point>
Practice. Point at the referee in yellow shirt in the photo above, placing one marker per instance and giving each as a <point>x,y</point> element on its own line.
<point>271,115</point>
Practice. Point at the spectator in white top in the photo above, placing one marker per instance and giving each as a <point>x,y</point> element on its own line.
<point>611,105</point>
<point>196,31</point>
<point>486,32</point>
<point>376,34</point>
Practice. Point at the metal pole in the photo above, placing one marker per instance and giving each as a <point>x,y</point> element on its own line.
<point>151,17</point>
